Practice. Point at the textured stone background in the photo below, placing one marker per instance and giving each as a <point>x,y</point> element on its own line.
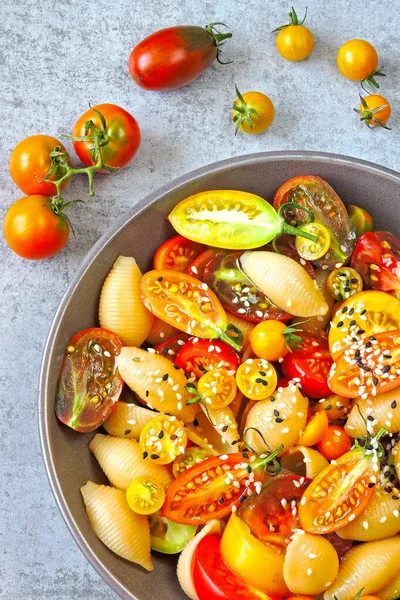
<point>55,57</point>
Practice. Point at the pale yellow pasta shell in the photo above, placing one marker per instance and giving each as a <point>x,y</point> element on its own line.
<point>380,520</point>
<point>381,409</point>
<point>292,407</point>
<point>185,563</point>
<point>370,566</point>
<point>122,462</point>
<point>121,309</point>
<point>321,321</point>
<point>160,332</point>
<point>391,591</point>
<point>154,379</point>
<point>127,420</point>
<point>224,422</point>
<point>285,282</point>
<point>203,434</point>
<point>311,564</point>
<point>116,525</point>
<point>304,461</point>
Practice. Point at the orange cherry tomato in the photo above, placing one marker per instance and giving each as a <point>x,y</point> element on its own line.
<point>357,59</point>
<point>30,162</point>
<point>177,254</point>
<point>187,304</point>
<point>374,110</point>
<point>33,230</point>
<point>335,442</point>
<point>315,430</point>
<point>268,340</point>
<point>253,112</point>
<point>300,598</point>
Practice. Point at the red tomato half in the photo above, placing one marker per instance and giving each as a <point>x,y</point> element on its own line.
<point>197,267</point>
<point>377,259</point>
<point>310,364</point>
<point>198,356</point>
<point>212,578</point>
<point>177,254</point>
<point>172,57</point>
<point>171,347</point>
<point>122,131</point>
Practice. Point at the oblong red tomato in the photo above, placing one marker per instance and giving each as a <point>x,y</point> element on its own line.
<point>177,254</point>
<point>172,57</point>
<point>197,267</point>
<point>377,259</point>
<point>89,384</point>
<point>198,356</point>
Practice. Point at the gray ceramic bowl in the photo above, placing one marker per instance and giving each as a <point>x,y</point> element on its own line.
<point>68,461</point>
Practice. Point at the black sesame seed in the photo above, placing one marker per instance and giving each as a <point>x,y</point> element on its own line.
<point>353,280</point>
<point>225,428</point>
<point>127,432</point>
<point>368,345</point>
<point>165,377</point>
<point>278,420</point>
<point>329,407</point>
<point>347,289</point>
<point>371,337</point>
<point>187,375</point>
<point>394,404</point>
<point>358,354</point>
<point>345,309</point>
<point>263,373</point>
<point>276,412</point>
<point>176,367</point>
<point>160,279</point>
<point>154,456</point>
<point>363,311</point>
<point>388,489</point>
<point>386,368</point>
<point>249,469</point>
<point>370,418</point>
<point>201,368</point>
<point>265,383</point>
<point>147,393</point>
<point>161,435</point>
<point>371,485</point>
<point>242,498</point>
<point>360,331</point>
<point>259,380</point>
<point>272,398</point>
<point>387,356</point>
<point>375,381</point>
<point>221,500</point>
<point>145,454</point>
<point>196,423</point>
<point>339,324</point>
<point>245,455</point>
<point>165,350</point>
<point>340,296</point>
<point>352,322</point>
<point>234,442</point>
<point>392,477</point>
<point>396,497</point>
<point>369,447</point>
<point>364,367</point>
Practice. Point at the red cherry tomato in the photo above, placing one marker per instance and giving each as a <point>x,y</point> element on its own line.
<point>171,347</point>
<point>212,578</point>
<point>177,254</point>
<point>377,259</point>
<point>335,443</point>
<point>172,57</point>
<point>310,364</point>
<point>197,267</point>
<point>33,230</point>
<point>198,356</point>
<point>122,131</point>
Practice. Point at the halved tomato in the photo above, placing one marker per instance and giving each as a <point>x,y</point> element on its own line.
<point>377,258</point>
<point>172,346</point>
<point>196,268</point>
<point>340,492</point>
<point>366,313</point>
<point>199,356</point>
<point>370,366</point>
<point>177,254</point>
<point>272,514</point>
<point>310,364</point>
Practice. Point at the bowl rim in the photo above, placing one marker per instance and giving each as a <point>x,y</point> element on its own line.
<point>111,232</point>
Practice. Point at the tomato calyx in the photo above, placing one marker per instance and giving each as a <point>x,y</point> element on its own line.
<point>286,228</point>
<point>371,82</point>
<point>242,112</point>
<point>367,114</point>
<point>293,342</point>
<point>219,39</point>
<point>293,20</point>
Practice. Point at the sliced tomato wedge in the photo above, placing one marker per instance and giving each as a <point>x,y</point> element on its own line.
<point>196,268</point>
<point>370,366</point>
<point>339,493</point>
<point>377,258</point>
<point>212,578</point>
<point>272,515</point>
<point>199,356</point>
<point>310,364</point>
<point>172,346</point>
<point>206,490</point>
<point>177,254</point>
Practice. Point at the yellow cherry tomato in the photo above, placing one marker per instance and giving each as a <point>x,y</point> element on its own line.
<point>294,42</point>
<point>253,112</point>
<point>336,407</point>
<point>217,389</point>
<point>163,439</point>
<point>310,250</point>
<point>343,283</point>
<point>145,496</point>
<point>374,110</point>
<point>357,60</point>
<point>192,456</point>
<point>256,379</point>
<point>315,429</point>
<point>272,340</point>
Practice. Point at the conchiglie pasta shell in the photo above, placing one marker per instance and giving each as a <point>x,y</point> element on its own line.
<point>160,332</point>
<point>122,462</point>
<point>121,309</point>
<point>203,434</point>
<point>320,322</point>
<point>220,419</point>
<point>380,520</point>
<point>311,564</point>
<point>116,525</point>
<point>127,420</point>
<point>391,591</point>
<point>143,372</point>
<point>379,407</point>
<point>292,407</point>
<point>185,563</point>
<point>285,282</point>
<point>370,566</point>
<point>304,461</point>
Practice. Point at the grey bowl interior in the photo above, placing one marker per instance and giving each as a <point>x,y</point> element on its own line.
<point>68,461</point>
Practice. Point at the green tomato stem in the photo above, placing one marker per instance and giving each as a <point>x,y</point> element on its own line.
<point>299,232</point>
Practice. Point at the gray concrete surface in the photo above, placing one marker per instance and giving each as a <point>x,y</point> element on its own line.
<point>55,57</point>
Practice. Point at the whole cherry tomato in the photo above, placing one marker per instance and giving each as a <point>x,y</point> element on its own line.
<point>171,58</point>
<point>30,161</point>
<point>122,132</point>
<point>335,442</point>
<point>374,111</point>
<point>294,41</point>
<point>357,59</point>
<point>253,112</point>
<point>33,230</point>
